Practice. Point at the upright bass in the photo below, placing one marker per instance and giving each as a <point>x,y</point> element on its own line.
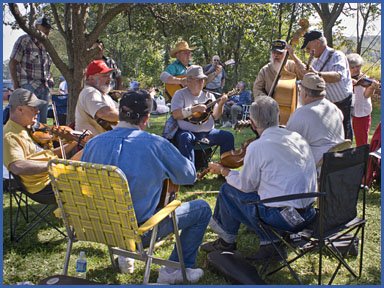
<point>283,88</point>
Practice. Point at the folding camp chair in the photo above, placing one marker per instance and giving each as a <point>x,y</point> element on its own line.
<point>204,152</point>
<point>337,216</point>
<point>245,114</point>
<point>24,209</point>
<point>96,206</point>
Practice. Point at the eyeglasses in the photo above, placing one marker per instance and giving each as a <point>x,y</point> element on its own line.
<point>216,60</point>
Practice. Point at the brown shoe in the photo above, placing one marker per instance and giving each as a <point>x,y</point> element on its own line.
<point>218,245</point>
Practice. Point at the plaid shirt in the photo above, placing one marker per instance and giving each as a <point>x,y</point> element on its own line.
<point>115,74</point>
<point>34,62</point>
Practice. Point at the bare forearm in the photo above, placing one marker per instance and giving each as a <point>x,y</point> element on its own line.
<point>330,76</point>
<point>28,167</point>
<point>107,113</point>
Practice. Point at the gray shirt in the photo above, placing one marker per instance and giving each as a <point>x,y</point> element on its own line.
<point>320,123</point>
<point>183,99</point>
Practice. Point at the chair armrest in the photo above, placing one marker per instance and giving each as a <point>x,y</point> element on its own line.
<point>287,198</point>
<point>159,216</point>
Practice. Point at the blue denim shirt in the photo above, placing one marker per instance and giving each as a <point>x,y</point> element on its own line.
<point>245,98</point>
<point>146,159</point>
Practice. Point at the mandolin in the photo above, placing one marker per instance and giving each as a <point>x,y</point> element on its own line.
<point>168,194</point>
<point>199,118</point>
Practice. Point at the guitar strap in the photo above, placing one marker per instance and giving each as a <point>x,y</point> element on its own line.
<point>327,60</point>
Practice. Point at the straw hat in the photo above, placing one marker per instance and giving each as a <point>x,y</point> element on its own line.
<point>181,46</point>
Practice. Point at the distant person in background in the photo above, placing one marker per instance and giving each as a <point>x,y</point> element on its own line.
<point>134,85</point>
<point>30,66</point>
<point>63,86</point>
<point>234,106</point>
<point>218,82</point>
<point>361,112</point>
<point>116,83</point>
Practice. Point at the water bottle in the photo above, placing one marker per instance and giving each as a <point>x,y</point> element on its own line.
<point>81,266</point>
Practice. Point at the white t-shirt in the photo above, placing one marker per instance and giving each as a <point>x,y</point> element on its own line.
<point>90,101</point>
<point>363,105</point>
<point>183,99</point>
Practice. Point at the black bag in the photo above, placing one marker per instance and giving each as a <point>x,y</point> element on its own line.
<point>235,268</point>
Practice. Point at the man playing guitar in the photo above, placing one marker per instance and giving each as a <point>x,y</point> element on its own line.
<point>95,108</point>
<point>174,74</point>
<point>190,103</point>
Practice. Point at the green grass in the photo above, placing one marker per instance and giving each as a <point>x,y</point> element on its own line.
<point>42,253</point>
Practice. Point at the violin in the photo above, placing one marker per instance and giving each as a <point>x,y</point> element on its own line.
<point>44,135</point>
<point>364,81</point>
<point>231,159</point>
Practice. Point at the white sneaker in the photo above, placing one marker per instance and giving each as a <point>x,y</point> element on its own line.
<point>126,264</point>
<point>193,276</point>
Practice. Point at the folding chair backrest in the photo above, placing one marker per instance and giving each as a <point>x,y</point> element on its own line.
<point>95,202</point>
<point>342,174</point>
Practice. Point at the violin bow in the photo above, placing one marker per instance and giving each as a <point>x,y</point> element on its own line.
<point>366,71</point>
<point>63,155</point>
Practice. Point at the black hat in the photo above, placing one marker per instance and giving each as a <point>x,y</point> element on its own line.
<point>135,104</point>
<point>43,21</point>
<point>278,45</point>
<point>310,36</point>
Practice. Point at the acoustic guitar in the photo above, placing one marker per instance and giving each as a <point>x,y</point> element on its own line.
<point>168,194</point>
<point>171,89</point>
<point>199,118</point>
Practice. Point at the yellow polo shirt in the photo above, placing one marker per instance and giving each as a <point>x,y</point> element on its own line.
<point>18,145</point>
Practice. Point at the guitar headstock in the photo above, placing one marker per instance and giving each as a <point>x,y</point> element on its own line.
<point>234,91</point>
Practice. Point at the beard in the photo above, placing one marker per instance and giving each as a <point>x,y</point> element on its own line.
<point>105,88</point>
<point>276,63</point>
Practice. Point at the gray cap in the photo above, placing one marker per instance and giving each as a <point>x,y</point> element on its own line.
<point>196,71</point>
<point>313,81</point>
<point>24,97</point>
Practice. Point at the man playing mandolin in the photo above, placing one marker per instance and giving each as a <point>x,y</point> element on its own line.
<point>22,156</point>
<point>147,160</point>
<point>195,111</point>
<point>95,109</point>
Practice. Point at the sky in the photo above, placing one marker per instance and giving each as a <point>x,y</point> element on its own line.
<point>10,36</point>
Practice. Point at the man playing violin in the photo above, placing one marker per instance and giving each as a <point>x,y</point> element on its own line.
<point>147,160</point>
<point>333,67</point>
<point>267,74</point>
<point>363,90</point>
<point>21,155</point>
<point>94,105</point>
<point>279,163</point>
<point>318,120</point>
<point>192,100</point>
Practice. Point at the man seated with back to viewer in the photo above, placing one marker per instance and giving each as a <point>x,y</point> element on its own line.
<point>319,121</point>
<point>95,109</point>
<point>147,160</point>
<point>279,163</point>
<point>191,100</point>
<point>235,104</point>
<point>22,155</point>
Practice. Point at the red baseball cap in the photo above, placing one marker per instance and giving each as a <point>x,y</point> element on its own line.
<point>97,67</point>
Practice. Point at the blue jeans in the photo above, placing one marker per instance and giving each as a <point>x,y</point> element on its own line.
<point>41,92</point>
<point>345,107</point>
<point>185,140</point>
<point>192,219</point>
<point>231,211</point>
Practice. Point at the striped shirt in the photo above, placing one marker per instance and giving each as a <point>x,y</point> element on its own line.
<point>340,90</point>
<point>34,62</point>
